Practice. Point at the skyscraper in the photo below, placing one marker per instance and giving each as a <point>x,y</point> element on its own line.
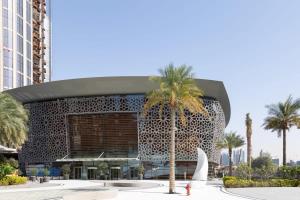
<point>275,161</point>
<point>41,40</point>
<point>23,43</point>
<point>238,157</point>
<point>224,159</point>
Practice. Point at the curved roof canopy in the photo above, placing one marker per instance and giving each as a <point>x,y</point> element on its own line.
<point>109,86</point>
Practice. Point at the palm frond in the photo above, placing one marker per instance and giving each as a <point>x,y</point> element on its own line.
<point>283,115</point>
<point>13,121</point>
<point>177,90</point>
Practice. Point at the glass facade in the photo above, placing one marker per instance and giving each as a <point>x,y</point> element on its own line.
<point>7,15</point>
<point>17,43</point>
<point>28,43</point>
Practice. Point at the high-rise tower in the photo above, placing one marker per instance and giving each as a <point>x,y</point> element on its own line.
<point>25,43</point>
<point>41,41</point>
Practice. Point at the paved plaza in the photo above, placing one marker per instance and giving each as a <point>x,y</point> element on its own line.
<point>280,193</point>
<point>56,189</point>
<point>62,188</point>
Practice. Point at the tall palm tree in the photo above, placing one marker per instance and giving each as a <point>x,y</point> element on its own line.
<point>231,141</point>
<point>179,92</point>
<point>283,116</point>
<point>249,135</point>
<point>13,121</point>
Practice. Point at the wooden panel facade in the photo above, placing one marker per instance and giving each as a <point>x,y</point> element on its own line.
<point>115,134</point>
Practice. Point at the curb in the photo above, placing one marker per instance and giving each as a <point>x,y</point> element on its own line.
<point>223,189</point>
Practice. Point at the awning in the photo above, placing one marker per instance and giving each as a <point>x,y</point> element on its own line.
<point>99,158</point>
<point>4,149</point>
<point>94,159</point>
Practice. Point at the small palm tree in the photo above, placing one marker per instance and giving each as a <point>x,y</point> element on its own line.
<point>249,135</point>
<point>283,116</point>
<point>13,121</point>
<point>231,141</point>
<point>179,92</point>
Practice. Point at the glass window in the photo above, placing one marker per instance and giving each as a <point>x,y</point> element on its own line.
<point>5,3</point>
<point>28,12</point>
<point>7,58</point>
<point>20,65</point>
<point>28,50</point>
<point>5,17</point>
<point>7,38</point>
<point>28,81</point>
<point>20,25</point>
<point>28,30</point>
<point>20,7</point>
<point>8,78</point>
<point>19,80</point>
<point>20,44</point>
<point>29,67</point>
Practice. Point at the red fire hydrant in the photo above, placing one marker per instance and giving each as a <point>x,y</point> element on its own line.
<point>188,189</point>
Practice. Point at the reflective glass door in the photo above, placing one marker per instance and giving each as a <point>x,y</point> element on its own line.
<point>77,171</point>
<point>115,173</point>
<point>91,173</point>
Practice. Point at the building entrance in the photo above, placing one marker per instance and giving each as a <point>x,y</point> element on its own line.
<point>115,173</point>
<point>77,172</point>
<point>92,173</point>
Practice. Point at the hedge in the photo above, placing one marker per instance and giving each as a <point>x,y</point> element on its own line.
<point>233,182</point>
<point>13,180</point>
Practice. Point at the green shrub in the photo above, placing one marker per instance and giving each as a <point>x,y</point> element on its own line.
<point>46,172</point>
<point>33,172</point>
<point>4,181</point>
<point>287,172</point>
<point>265,172</point>
<point>261,161</point>
<point>13,162</point>
<point>239,183</point>
<point>13,180</point>
<point>140,169</point>
<point>66,169</point>
<point>103,168</point>
<point>243,171</point>
<point>5,169</point>
<point>226,178</point>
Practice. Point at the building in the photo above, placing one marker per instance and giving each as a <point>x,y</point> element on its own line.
<point>41,23</point>
<point>23,43</point>
<point>224,159</point>
<point>86,121</point>
<point>291,163</point>
<point>264,154</point>
<point>238,157</point>
<point>275,161</point>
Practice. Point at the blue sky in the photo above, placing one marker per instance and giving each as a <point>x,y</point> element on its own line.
<point>252,46</point>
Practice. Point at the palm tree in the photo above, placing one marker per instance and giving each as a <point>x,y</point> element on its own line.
<point>283,116</point>
<point>249,135</point>
<point>231,141</point>
<point>13,121</point>
<point>178,92</point>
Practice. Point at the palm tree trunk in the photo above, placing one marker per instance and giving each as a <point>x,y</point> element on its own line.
<point>172,153</point>
<point>249,150</point>
<point>284,147</point>
<point>230,161</point>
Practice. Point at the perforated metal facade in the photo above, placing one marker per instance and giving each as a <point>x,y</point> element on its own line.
<point>49,140</point>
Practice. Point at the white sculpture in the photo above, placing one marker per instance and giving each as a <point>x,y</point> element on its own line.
<point>200,174</point>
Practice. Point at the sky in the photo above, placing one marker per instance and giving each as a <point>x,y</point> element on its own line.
<point>252,46</point>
